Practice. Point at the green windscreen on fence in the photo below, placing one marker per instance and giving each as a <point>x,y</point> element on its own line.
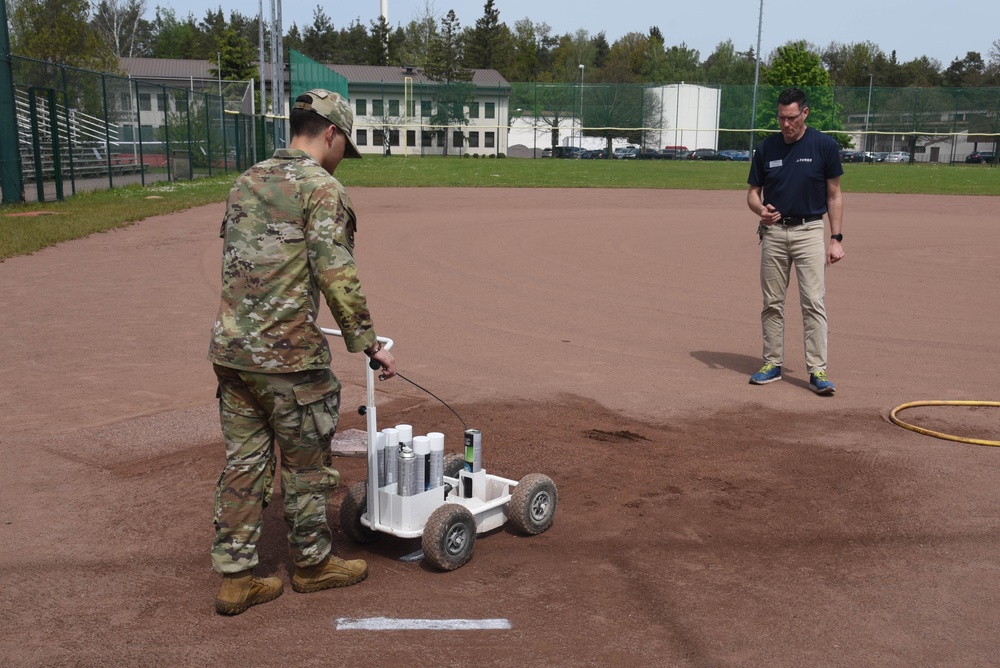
<point>306,74</point>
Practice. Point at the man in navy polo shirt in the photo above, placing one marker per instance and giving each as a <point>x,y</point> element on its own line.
<point>795,180</point>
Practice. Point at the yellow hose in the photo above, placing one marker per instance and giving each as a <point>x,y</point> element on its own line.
<point>936,434</point>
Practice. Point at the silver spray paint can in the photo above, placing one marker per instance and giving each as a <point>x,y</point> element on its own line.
<point>407,472</point>
<point>422,450</point>
<point>391,452</point>
<point>380,450</point>
<point>473,450</point>
<point>436,460</point>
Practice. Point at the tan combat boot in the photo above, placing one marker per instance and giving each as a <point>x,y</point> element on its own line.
<point>242,590</point>
<point>329,573</point>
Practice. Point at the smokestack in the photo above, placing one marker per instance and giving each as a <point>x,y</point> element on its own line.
<point>385,10</point>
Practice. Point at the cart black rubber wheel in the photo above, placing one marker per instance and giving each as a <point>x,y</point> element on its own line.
<point>453,463</point>
<point>354,506</point>
<point>449,536</point>
<point>533,504</point>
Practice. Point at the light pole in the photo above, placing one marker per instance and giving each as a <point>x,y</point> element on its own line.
<point>869,111</point>
<point>756,76</point>
<point>581,105</point>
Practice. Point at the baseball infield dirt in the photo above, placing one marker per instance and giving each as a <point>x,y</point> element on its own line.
<point>601,337</point>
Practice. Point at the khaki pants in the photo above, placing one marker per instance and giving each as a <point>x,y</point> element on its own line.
<point>803,246</point>
<point>298,412</point>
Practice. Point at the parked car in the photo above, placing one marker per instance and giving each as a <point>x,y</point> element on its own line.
<point>852,156</point>
<point>897,156</point>
<point>739,156</point>
<point>982,157</point>
<point>674,153</point>
<point>707,154</point>
<point>594,154</point>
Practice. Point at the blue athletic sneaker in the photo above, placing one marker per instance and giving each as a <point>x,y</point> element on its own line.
<point>820,384</point>
<point>767,374</point>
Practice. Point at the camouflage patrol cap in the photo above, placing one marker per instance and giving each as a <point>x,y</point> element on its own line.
<point>336,109</point>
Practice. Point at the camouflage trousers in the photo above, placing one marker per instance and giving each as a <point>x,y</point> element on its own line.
<point>298,412</point>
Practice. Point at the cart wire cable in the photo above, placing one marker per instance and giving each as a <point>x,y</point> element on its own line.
<point>419,387</point>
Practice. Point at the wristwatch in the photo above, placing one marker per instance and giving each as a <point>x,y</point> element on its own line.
<point>837,237</point>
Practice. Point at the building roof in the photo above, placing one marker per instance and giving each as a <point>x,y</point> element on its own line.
<point>392,74</point>
<point>152,69</point>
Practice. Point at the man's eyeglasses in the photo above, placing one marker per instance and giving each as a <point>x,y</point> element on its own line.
<point>789,119</point>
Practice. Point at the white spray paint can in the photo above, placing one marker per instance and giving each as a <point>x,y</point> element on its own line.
<point>380,450</point>
<point>422,450</point>
<point>407,472</point>
<point>391,452</point>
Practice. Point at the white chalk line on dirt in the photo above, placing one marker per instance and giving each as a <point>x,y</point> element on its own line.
<point>388,624</point>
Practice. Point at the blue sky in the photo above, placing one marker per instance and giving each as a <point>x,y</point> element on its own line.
<point>912,28</point>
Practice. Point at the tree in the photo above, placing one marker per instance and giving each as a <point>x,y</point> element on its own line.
<point>968,71</point>
<point>525,45</point>
<point>58,31</point>
<point>795,64</point>
<point>571,52</point>
<point>419,34</point>
<point>626,59</point>
<point>319,41</point>
<point>601,49</point>
<point>444,65</point>
<point>726,65</point>
<point>121,25</point>
<point>173,38</point>
<point>488,45</point>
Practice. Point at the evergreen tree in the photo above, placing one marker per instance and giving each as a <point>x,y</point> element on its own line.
<point>444,65</point>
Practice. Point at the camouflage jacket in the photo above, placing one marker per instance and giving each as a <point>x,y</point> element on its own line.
<point>289,237</point>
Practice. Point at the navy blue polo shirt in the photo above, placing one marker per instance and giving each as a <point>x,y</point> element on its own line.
<point>793,176</point>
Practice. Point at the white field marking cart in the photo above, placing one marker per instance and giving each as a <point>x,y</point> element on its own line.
<point>445,518</point>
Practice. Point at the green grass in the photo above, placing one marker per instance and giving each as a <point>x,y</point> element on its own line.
<point>99,211</point>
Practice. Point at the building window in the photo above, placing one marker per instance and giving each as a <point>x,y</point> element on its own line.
<point>473,140</point>
<point>394,107</point>
<point>411,106</point>
<point>411,137</point>
<point>377,108</point>
<point>393,137</point>
<point>425,108</point>
<point>362,138</point>
<point>457,139</point>
<point>473,110</point>
<point>182,104</point>
<point>145,102</point>
<point>361,107</point>
<point>162,102</point>
<point>491,110</point>
<point>490,139</point>
<point>378,137</point>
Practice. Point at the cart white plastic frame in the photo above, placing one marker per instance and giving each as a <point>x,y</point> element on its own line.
<point>405,516</point>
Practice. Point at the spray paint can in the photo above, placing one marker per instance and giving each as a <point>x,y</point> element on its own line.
<point>473,450</point>
<point>391,453</point>
<point>435,465</point>
<point>407,472</point>
<point>380,450</point>
<point>422,450</point>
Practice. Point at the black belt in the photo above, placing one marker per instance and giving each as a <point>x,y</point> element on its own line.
<point>801,221</point>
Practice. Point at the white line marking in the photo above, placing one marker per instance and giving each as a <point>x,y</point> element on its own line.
<point>387,624</point>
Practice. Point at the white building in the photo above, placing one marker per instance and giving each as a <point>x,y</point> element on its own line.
<point>689,116</point>
<point>393,107</point>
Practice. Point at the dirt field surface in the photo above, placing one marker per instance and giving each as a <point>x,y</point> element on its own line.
<point>601,337</point>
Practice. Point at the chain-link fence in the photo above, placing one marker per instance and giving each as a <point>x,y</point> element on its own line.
<point>84,130</point>
<point>932,124</point>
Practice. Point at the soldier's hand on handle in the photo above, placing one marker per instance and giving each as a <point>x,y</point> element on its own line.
<point>386,361</point>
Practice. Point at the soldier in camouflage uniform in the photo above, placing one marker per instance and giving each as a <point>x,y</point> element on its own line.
<point>289,239</point>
